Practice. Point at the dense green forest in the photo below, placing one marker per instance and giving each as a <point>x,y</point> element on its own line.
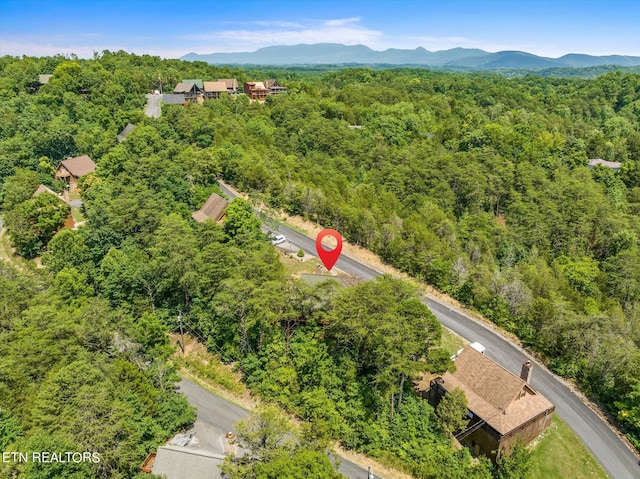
<point>475,183</point>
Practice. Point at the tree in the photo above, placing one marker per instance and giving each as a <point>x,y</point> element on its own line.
<point>389,332</point>
<point>275,451</point>
<point>10,429</point>
<point>515,464</point>
<point>66,249</point>
<point>18,188</point>
<point>264,432</point>
<point>34,222</point>
<point>240,222</point>
<point>452,411</point>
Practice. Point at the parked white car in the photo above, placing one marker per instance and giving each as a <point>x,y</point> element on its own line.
<point>278,239</point>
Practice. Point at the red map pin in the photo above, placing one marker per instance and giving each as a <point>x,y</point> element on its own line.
<point>329,258</point>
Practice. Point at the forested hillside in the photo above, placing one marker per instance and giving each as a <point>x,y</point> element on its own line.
<point>475,183</point>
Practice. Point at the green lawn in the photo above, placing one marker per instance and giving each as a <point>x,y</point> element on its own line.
<point>560,454</point>
<point>77,215</point>
<point>451,342</point>
<point>74,195</point>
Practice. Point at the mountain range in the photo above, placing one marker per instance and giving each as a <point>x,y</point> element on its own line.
<point>335,53</point>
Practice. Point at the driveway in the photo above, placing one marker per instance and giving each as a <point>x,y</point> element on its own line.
<point>153,105</point>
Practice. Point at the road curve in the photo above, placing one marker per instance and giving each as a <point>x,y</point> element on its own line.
<point>614,455</point>
<point>220,416</point>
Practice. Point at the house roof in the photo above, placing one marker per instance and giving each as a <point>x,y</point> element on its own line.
<point>270,83</point>
<point>125,132</point>
<point>231,83</point>
<point>44,79</point>
<point>198,82</point>
<point>43,189</point>
<point>173,99</point>
<point>609,164</point>
<point>502,399</point>
<point>175,462</point>
<point>213,209</point>
<point>215,86</point>
<point>257,85</point>
<point>78,166</point>
<point>185,87</point>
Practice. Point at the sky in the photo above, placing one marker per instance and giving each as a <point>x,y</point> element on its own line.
<point>171,29</point>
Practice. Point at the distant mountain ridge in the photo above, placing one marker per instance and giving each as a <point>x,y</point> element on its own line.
<point>336,53</point>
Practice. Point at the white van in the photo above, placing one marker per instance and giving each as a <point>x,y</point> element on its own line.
<point>478,347</point>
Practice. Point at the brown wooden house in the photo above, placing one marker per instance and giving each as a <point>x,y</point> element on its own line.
<point>213,209</point>
<point>71,169</point>
<point>191,92</point>
<point>503,407</point>
<point>231,84</point>
<point>213,89</point>
<point>256,90</point>
<point>273,87</point>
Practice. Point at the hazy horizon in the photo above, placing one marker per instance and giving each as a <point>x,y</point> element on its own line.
<point>544,27</point>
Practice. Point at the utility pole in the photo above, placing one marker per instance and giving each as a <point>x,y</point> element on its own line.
<point>181,332</point>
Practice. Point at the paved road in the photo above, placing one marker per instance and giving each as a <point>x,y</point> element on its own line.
<point>153,105</point>
<point>217,416</point>
<point>614,455</point>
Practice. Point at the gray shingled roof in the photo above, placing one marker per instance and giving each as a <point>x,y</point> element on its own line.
<point>125,132</point>
<point>173,99</point>
<point>184,87</point>
<point>176,462</point>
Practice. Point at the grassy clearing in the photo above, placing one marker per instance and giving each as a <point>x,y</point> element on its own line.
<point>207,369</point>
<point>294,267</point>
<point>74,195</point>
<point>560,454</point>
<point>451,342</point>
<point>7,253</point>
<point>77,215</point>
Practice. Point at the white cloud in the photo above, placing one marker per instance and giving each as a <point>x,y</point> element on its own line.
<point>344,30</point>
<point>341,21</point>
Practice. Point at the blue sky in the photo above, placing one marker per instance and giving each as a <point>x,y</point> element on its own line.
<point>171,29</point>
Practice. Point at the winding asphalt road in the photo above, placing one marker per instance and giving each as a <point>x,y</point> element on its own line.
<point>614,455</point>
<point>216,416</point>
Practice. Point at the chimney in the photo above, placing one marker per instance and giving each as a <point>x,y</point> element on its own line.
<point>525,373</point>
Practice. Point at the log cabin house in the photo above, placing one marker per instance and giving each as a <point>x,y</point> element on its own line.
<point>71,169</point>
<point>503,408</point>
<point>273,87</point>
<point>231,84</point>
<point>213,209</point>
<point>256,90</point>
<point>213,89</point>
<point>191,92</point>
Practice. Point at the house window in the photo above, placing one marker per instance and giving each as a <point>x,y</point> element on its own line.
<point>470,415</point>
